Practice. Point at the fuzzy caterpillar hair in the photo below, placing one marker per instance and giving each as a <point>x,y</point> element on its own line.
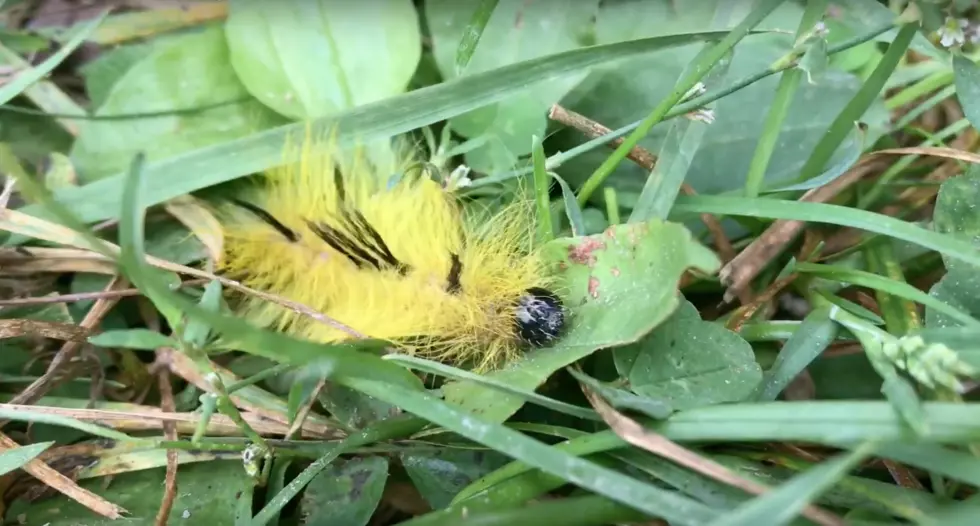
<point>393,259</point>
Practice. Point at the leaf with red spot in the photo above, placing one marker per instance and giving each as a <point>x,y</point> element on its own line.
<point>617,286</point>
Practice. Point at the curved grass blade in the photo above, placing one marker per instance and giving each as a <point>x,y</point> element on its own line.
<point>829,214</point>
<point>206,167</point>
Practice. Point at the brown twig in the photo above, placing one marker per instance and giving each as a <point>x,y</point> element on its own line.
<point>149,418</point>
<point>644,159</point>
<point>53,479</point>
<point>86,296</point>
<point>305,410</point>
<point>51,377</point>
<point>740,271</point>
<point>16,327</point>
<point>633,433</point>
<point>170,432</point>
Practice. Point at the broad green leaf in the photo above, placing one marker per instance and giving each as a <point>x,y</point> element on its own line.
<point>956,213</point>
<point>144,339</point>
<point>690,363</point>
<point>102,72</point>
<point>190,72</point>
<point>439,475</point>
<point>209,494</point>
<point>967,78</point>
<point>617,285</point>
<point>15,458</point>
<point>307,59</point>
<point>346,493</point>
<point>517,30</point>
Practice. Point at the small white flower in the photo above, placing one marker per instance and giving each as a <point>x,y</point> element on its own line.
<point>951,34</point>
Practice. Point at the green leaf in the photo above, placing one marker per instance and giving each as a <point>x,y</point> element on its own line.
<point>956,214</point>
<point>346,493</point>
<point>516,31</point>
<point>313,58</point>
<point>439,475</point>
<point>619,285</point>
<point>15,458</point>
<point>209,166</point>
<point>106,69</point>
<point>143,339</point>
<point>209,494</point>
<point>781,505</point>
<point>25,78</point>
<point>967,80</point>
<point>192,71</point>
<point>690,363</point>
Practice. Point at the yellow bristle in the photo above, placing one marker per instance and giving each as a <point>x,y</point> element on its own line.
<point>421,224</point>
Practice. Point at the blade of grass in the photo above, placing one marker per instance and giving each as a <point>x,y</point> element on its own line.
<point>397,427</point>
<point>472,33</point>
<point>29,76</point>
<point>37,417</point>
<point>829,214</point>
<point>649,499</point>
<point>15,458</point>
<point>542,187</point>
<point>788,82</point>
<point>859,104</point>
<point>680,109</point>
<point>783,504</point>
<point>447,371</point>
<point>808,341</point>
<point>589,510</point>
<point>703,63</point>
<point>192,171</point>
<point>681,143</point>
<point>888,285</point>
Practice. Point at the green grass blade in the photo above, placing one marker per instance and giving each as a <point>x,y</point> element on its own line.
<point>15,458</point>
<point>859,104</point>
<point>704,62</point>
<point>25,78</point>
<point>649,499</point>
<point>779,108</point>
<point>472,33</point>
<point>829,214</point>
<point>895,288</point>
<point>542,188</point>
<point>808,341</point>
<point>447,371</point>
<point>169,178</point>
<point>781,505</point>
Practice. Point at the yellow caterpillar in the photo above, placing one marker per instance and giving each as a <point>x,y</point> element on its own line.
<point>394,258</point>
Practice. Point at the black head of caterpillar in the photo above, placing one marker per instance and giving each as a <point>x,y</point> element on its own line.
<point>539,317</point>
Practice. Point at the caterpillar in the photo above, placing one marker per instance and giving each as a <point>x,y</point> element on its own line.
<point>392,256</point>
